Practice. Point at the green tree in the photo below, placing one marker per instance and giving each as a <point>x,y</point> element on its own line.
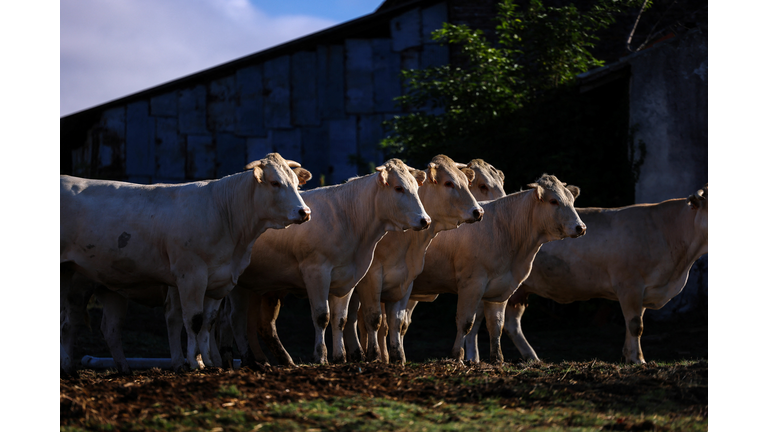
<point>497,100</point>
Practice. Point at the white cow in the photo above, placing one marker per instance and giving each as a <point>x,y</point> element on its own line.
<point>488,261</point>
<point>197,237</point>
<point>330,255</point>
<point>639,255</point>
<point>399,257</point>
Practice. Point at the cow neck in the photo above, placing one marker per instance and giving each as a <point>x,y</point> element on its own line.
<point>234,195</point>
<point>355,202</point>
<point>678,214</point>
<point>514,224</point>
<point>437,225</point>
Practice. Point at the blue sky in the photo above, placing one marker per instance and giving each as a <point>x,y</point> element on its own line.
<point>110,49</point>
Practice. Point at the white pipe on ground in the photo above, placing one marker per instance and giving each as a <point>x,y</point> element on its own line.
<point>133,363</point>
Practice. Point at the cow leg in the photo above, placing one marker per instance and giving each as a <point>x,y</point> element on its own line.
<point>270,309</point>
<point>472,352</point>
<point>370,309</point>
<point>174,323</point>
<point>253,324</point>
<point>512,315</point>
<point>409,315</point>
<point>192,282</point>
<point>469,300</point>
<point>225,335</point>
<point>381,335</point>
<point>339,311</point>
<point>114,308</point>
<point>73,302</point>
<point>317,281</point>
<point>396,317</point>
<point>238,318</point>
<point>351,342</point>
<point>206,342</point>
<point>494,317</point>
<point>633,310</point>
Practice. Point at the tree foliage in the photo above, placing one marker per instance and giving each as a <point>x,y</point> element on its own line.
<point>500,93</point>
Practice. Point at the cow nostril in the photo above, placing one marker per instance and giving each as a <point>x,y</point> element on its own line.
<point>425,222</point>
<point>580,229</point>
<point>478,214</point>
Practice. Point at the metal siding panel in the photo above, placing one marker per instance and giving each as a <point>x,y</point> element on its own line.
<point>386,75</point>
<point>370,132</point>
<point>230,154</point>
<point>432,18</point>
<point>315,154</point>
<point>164,105</point>
<point>330,81</point>
<point>139,141</point>
<point>221,105</point>
<point>277,89</point>
<point>249,105</point>
<point>170,152</point>
<point>342,136</point>
<point>359,64</point>
<point>287,143</point>
<point>257,148</point>
<point>112,142</point>
<point>406,30</point>
<point>192,110</point>
<point>304,89</point>
<point>201,157</point>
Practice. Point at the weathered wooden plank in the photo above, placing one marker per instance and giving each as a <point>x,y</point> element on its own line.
<point>342,136</point>
<point>257,148</point>
<point>315,154</point>
<point>304,95</point>
<point>201,157</point>
<point>192,110</point>
<point>359,73</point>
<point>434,55</point>
<point>406,30</point>
<point>277,91</point>
<point>432,18</point>
<point>230,154</point>
<point>139,142</point>
<point>170,152</point>
<point>330,81</point>
<point>166,105</point>
<point>386,75</point>
<point>249,106</point>
<point>287,143</point>
<point>221,105</point>
<point>370,133</point>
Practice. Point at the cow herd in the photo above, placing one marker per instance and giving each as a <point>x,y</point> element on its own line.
<point>220,256</point>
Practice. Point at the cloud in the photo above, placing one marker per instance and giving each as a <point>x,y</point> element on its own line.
<point>110,49</point>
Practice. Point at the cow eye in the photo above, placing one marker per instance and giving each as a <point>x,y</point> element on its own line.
<point>399,189</point>
<point>483,187</point>
<point>449,184</point>
<point>275,184</point>
<point>553,201</point>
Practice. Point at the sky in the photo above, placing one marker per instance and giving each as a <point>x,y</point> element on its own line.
<point>111,49</point>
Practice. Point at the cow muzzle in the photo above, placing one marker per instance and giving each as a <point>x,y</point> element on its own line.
<point>425,222</point>
<point>580,230</point>
<point>305,214</point>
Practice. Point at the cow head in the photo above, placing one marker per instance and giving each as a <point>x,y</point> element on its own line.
<point>447,196</point>
<point>489,181</point>
<point>277,182</point>
<point>397,201</point>
<point>554,208</point>
<point>699,203</point>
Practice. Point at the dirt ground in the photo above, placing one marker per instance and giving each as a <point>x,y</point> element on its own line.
<point>580,345</point>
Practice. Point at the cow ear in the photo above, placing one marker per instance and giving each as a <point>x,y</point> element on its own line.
<point>432,172</point>
<point>470,173</point>
<point>303,175</point>
<point>382,176</point>
<point>258,173</point>
<point>575,190</point>
<point>537,189</point>
<point>694,201</point>
<point>420,176</point>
